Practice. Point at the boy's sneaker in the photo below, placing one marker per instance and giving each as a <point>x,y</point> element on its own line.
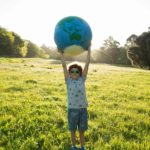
<point>74,148</point>
<point>82,148</point>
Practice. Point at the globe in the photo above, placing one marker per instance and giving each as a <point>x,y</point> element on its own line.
<point>72,35</point>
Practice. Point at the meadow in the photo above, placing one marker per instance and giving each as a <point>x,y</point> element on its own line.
<point>33,113</point>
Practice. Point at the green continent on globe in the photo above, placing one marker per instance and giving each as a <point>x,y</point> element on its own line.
<point>75,36</point>
<point>73,32</point>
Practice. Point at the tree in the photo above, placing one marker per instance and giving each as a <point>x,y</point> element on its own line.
<point>6,42</point>
<point>110,43</point>
<point>11,44</point>
<point>19,48</point>
<point>111,52</point>
<point>34,51</point>
<point>131,40</point>
<point>139,54</point>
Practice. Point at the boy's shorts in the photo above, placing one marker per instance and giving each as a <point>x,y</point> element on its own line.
<point>78,118</point>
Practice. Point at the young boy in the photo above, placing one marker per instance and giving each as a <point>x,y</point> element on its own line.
<point>77,102</point>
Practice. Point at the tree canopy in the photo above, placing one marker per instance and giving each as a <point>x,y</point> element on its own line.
<point>139,51</point>
<point>12,45</point>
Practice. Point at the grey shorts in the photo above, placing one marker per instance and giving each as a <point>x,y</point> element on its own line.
<point>78,118</point>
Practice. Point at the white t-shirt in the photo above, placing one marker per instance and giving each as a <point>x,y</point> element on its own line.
<point>76,93</point>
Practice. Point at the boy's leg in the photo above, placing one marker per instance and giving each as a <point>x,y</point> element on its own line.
<point>83,125</point>
<point>72,122</point>
<point>81,134</point>
<point>73,138</point>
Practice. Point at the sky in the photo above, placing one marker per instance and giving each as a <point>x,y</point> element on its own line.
<point>35,20</point>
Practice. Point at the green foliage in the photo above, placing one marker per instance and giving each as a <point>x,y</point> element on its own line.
<point>139,50</point>
<point>12,45</point>
<point>52,52</point>
<point>33,103</point>
<point>109,55</point>
<point>111,52</point>
<point>6,42</point>
<point>110,43</point>
<point>19,48</point>
<point>123,58</point>
<point>35,51</point>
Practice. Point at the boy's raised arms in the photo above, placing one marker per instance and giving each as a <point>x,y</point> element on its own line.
<point>86,67</point>
<point>66,74</point>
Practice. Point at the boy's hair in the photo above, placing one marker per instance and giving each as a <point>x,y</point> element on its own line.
<point>76,66</point>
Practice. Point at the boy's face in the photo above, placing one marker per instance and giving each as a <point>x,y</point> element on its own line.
<point>74,73</point>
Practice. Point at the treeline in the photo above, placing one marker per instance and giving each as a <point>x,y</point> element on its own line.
<point>138,50</point>
<point>12,45</point>
<point>135,52</point>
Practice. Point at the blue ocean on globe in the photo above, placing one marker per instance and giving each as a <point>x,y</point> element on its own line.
<point>72,31</point>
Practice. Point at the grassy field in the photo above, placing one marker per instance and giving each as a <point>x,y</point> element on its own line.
<point>33,114</point>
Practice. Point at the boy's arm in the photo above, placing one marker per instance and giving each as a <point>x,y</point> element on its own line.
<point>85,70</point>
<point>66,74</point>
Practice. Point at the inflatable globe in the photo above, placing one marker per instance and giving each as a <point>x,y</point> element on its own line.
<point>72,35</point>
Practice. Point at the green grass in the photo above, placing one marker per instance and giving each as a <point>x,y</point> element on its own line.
<point>33,102</point>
